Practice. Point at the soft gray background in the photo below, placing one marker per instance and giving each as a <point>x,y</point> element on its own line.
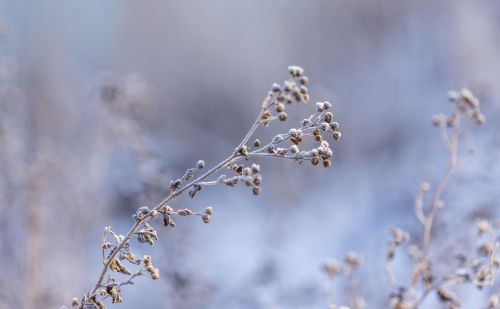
<point>191,76</point>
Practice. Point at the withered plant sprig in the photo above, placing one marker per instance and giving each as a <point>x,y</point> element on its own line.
<point>477,270</point>
<point>116,248</point>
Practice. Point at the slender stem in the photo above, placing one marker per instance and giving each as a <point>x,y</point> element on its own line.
<point>452,145</point>
<point>251,131</point>
<point>131,232</point>
<point>232,158</point>
<point>436,201</point>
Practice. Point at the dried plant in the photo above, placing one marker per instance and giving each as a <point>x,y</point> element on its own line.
<point>333,270</point>
<point>117,252</point>
<point>478,269</point>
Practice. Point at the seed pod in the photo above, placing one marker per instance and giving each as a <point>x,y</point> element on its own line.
<point>147,260</point>
<point>243,151</point>
<point>256,190</point>
<point>335,126</point>
<point>184,212</point>
<point>255,168</point>
<point>75,302</point>
<point>328,117</point>
<point>315,161</point>
<point>294,149</point>
<point>283,116</point>
<point>156,274</point>
<point>324,126</point>
<point>247,171</point>
<point>116,265</point>
<point>320,106</point>
<point>257,180</point>
<point>206,218</point>
<point>337,135</point>
<point>200,164</point>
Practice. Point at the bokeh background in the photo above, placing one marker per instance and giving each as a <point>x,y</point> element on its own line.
<point>103,102</point>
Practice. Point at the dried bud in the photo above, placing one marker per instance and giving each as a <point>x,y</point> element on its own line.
<point>75,302</point>
<point>335,126</point>
<point>328,117</point>
<point>282,116</point>
<point>184,212</point>
<point>255,168</point>
<point>438,120</point>
<point>106,245</point>
<point>116,265</point>
<point>337,135</point>
<point>294,149</point>
<point>280,108</point>
<point>209,210</point>
<point>206,218</point>
<point>353,260</point>
<point>483,226</point>
<point>155,275</point>
<point>295,71</point>
<point>256,190</point>
<point>200,164</point>
<point>257,143</point>
<point>332,269</point>
<point>257,180</point>
<point>175,184</point>
<point>480,118</point>
<point>399,236</point>
<point>154,213</point>
<point>327,163</point>
<point>320,106</point>
<point>147,260</point>
<point>243,151</point>
<point>315,161</point>
<point>425,186</point>
<point>247,171</point>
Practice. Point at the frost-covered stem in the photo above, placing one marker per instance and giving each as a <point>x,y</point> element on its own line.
<point>452,144</point>
<point>138,224</point>
<point>112,255</point>
<point>235,156</point>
